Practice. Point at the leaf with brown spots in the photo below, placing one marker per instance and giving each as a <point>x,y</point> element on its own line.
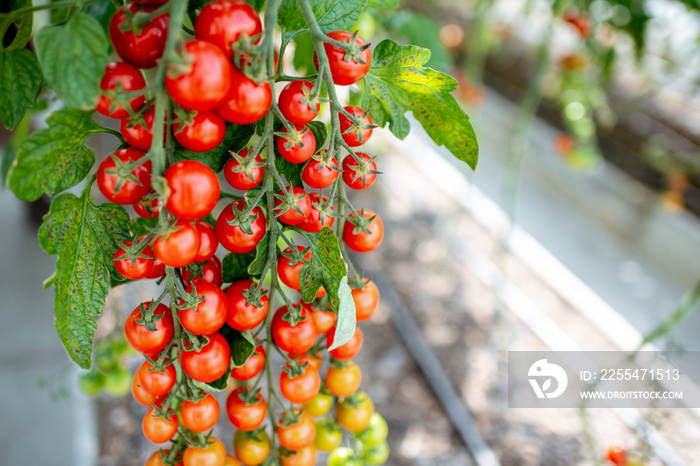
<point>398,82</point>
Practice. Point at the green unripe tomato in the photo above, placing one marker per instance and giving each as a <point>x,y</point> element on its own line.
<point>328,435</point>
<point>342,456</point>
<point>376,433</point>
<point>92,382</point>
<point>118,382</point>
<point>377,454</point>
<point>320,405</point>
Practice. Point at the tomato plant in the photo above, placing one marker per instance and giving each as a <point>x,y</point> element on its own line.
<point>208,102</point>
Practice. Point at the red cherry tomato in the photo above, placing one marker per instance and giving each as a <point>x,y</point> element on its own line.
<point>202,415</point>
<point>211,362</point>
<point>617,455</point>
<point>352,138</point>
<point>291,216</point>
<point>133,269</point>
<point>211,273</point>
<point>319,177</point>
<point>246,101</point>
<point>147,208</point>
<point>138,136</point>
<point>297,339</point>
<point>352,172</point>
<point>129,78</point>
<point>366,300</point>
<point>345,72</point>
<point>207,241</point>
<point>223,22</point>
<point>194,189</point>
<point>157,429</point>
<point>210,314</point>
<point>205,133</point>
<point>289,274</point>
<point>129,192</point>
<point>242,316</point>
<point>143,340</point>
<point>180,247</point>
<point>313,224</point>
<point>299,435</point>
<point>206,83</point>
<point>252,367</point>
<point>350,349</point>
<point>297,152</point>
<point>241,178</point>
<point>232,237</point>
<point>243,416</point>
<point>294,105</point>
<point>154,382</point>
<point>157,271</point>
<point>144,49</point>
<point>302,388</point>
<point>141,396</point>
<point>361,241</point>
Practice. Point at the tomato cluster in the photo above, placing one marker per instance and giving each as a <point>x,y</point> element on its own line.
<point>188,344</point>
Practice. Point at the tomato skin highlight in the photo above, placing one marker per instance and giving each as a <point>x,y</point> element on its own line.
<point>202,415</point>
<point>130,192</point>
<point>242,316</point>
<point>207,82</point>
<point>143,50</point>
<point>180,247</point>
<point>210,314</point>
<point>129,78</point>
<point>232,237</point>
<point>204,134</point>
<point>194,189</point>
<point>210,363</point>
<point>245,417</point>
<point>141,339</point>
<point>223,22</point>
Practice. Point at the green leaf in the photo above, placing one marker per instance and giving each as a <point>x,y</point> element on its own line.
<point>257,4</point>
<point>219,385</point>
<point>23,25</point>
<point>347,318</point>
<point>320,131</point>
<point>385,4</point>
<point>235,139</point>
<point>241,343</point>
<point>421,31</point>
<point>141,226</point>
<point>85,237</point>
<point>332,15</point>
<point>398,82</point>
<point>291,171</point>
<point>257,267</point>
<point>304,53</point>
<point>235,266</point>
<point>54,159</point>
<point>20,81</point>
<point>9,152</point>
<point>73,57</point>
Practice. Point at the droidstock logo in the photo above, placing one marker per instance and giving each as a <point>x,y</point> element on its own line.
<point>545,372</point>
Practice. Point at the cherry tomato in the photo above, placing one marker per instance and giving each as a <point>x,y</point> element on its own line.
<point>205,133</point>
<point>128,78</point>
<point>154,382</point>
<point>302,388</point>
<point>210,314</point>
<point>136,268</point>
<point>202,415</point>
<point>319,177</point>
<point>147,208</point>
<point>325,320</point>
<point>366,300</point>
<point>211,455</point>
<point>350,349</point>
<point>141,50</point>
<point>319,406</point>
<point>157,429</point>
<point>377,454</point>
<point>313,223</point>
<point>361,241</point>
<point>156,459</point>
<point>211,273</point>
<point>143,340</point>
<point>232,237</point>
<point>580,21</point>
<point>129,192</point>
<point>194,189</point>
<point>343,381</point>
<point>243,316</point>
<point>294,105</point>
<point>375,433</point>
<point>243,416</point>
<point>346,72</point>
<point>314,361</point>
<point>297,151</point>
<point>289,274</point>
<point>297,339</point>
<point>141,396</point>
<point>355,418</point>
<point>210,363</point>
<point>343,456</point>
<point>328,435</point>
<point>179,247</point>
<point>206,83</point>
<point>617,455</point>
<point>252,367</point>
<point>231,461</point>
<point>357,136</point>
<point>207,241</point>
<point>157,271</point>
<point>223,22</point>
<point>353,175</point>
<point>246,101</point>
<point>251,450</point>
<point>241,178</point>
<point>136,135</point>
<point>299,435</point>
<point>304,457</point>
<point>291,216</point>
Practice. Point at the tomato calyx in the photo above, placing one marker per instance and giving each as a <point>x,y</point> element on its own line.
<point>246,163</point>
<point>123,171</point>
<point>294,315</point>
<point>355,121</point>
<point>149,318</point>
<point>361,166</point>
<point>249,395</point>
<point>133,250</point>
<point>293,137</point>
<point>361,223</point>
<point>294,369</point>
<point>136,21</point>
<point>353,51</point>
<point>243,219</point>
<point>290,417</point>
<point>253,295</point>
